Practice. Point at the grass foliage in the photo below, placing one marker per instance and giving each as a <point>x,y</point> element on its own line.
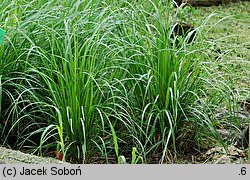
<point>97,80</point>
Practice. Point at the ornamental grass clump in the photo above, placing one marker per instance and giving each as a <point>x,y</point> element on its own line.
<point>102,80</point>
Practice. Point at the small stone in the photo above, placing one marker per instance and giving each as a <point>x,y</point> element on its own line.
<point>214,150</point>
<point>224,159</point>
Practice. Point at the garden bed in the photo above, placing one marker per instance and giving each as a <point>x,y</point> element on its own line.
<point>104,81</point>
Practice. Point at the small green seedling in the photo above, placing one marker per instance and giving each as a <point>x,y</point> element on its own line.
<point>2,33</point>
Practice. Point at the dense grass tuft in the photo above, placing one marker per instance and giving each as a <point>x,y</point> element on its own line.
<point>101,79</point>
